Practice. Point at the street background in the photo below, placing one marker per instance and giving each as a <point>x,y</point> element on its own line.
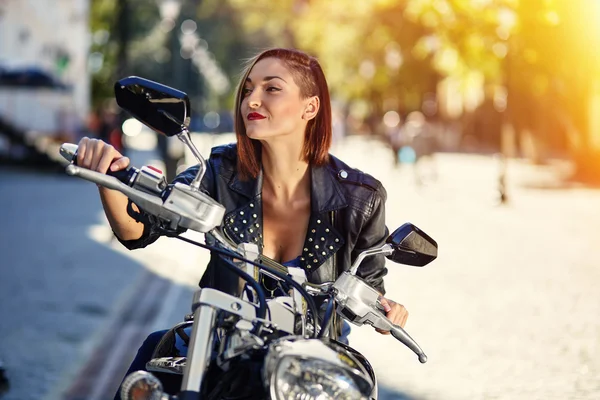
<point>480,117</point>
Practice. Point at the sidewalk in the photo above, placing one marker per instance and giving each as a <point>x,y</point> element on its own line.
<point>509,310</point>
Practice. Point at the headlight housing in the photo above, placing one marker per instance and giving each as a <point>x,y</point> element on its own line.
<point>141,385</point>
<point>310,369</point>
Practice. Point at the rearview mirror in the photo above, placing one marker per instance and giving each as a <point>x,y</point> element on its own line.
<point>412,246</point>
<point>162,108</point>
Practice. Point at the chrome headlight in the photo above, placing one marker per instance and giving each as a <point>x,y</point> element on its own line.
<point>310,369</point>
<point>141,385</point>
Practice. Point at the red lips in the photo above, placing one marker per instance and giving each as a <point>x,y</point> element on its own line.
<point>254,116</point>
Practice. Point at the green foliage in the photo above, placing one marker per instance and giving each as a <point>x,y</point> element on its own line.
<point>391,53</point>
<point>153,52</point>
<point>141,45</point>
<point>394,51</point>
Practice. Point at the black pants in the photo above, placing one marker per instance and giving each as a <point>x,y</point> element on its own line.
<point>171,383</point>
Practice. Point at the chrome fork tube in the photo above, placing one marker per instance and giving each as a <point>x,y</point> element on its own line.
<point>200,347</point>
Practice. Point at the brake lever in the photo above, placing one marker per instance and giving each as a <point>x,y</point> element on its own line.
<point>359,303</point>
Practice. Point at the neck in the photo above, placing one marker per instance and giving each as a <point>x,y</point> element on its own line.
<point>285,175</point>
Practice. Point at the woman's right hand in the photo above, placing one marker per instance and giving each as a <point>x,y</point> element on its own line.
<point>99,156</point>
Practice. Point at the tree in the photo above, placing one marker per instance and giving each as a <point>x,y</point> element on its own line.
<point>392,54</point>
<point>149,52</point>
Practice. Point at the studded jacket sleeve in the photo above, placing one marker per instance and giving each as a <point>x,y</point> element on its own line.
<point>373,233</point>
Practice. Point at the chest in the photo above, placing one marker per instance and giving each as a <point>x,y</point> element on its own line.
<point>284,229</point>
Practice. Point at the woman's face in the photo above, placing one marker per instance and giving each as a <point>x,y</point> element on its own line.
<point>271,102</point>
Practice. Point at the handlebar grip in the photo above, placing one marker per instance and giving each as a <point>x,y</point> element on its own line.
<point>127,175</point>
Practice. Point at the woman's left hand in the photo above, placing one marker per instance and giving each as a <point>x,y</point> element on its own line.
<point>394,312</point>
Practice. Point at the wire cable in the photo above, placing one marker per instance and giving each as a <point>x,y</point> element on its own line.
<point>309,300</point>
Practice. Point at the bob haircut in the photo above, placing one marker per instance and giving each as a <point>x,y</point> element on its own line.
<point>309,77</point>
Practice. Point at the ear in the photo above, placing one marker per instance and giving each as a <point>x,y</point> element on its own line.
<point>312,108</point>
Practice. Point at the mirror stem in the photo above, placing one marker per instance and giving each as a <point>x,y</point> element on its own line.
<point>386,249</point>
<point>184,136</point>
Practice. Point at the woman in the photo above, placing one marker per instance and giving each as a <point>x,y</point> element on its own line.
<point>281,188</point>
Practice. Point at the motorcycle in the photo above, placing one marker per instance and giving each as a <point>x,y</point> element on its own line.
<point>248,346</point>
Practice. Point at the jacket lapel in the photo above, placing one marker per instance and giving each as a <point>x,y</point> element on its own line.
<point>244,224</point>
<point>322,239</point>
<point>326,192</point>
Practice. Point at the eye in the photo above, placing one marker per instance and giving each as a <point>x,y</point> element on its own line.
<point>246,92</point>
<point>273,89</point>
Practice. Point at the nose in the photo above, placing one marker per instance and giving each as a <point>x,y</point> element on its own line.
<point>254,99</point>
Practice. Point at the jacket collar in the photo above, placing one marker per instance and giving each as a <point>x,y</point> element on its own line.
<point>249,188</point>
<point>326,191</point>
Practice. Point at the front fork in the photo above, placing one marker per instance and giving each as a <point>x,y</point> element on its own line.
<point>206,304</point>
<point>200,348</point>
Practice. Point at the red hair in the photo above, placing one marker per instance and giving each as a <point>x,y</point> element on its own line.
<point>309,77</point>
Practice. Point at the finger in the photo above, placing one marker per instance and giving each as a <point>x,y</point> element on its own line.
<point>99,150</point>
<point>394,315</point>
<point>399,315</point>
<point>81,150</point>
<point>404,319</point>
<point>88,158</point>
<point>385,304</point>
<point>105,162</point>
<point>119,164</point>
<point>382,331</point>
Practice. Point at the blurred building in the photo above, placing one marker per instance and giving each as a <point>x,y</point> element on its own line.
<point>44,79</point>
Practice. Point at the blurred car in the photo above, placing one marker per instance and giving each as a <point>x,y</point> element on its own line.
<point>34,110</point>
<point>29,76</point>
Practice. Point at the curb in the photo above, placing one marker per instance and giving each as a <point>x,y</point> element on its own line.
<point>115,346</point>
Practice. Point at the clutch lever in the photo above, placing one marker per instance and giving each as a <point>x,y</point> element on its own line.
<point>380,321</point>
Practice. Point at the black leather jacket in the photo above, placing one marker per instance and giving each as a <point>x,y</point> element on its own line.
<point>348,216</point>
